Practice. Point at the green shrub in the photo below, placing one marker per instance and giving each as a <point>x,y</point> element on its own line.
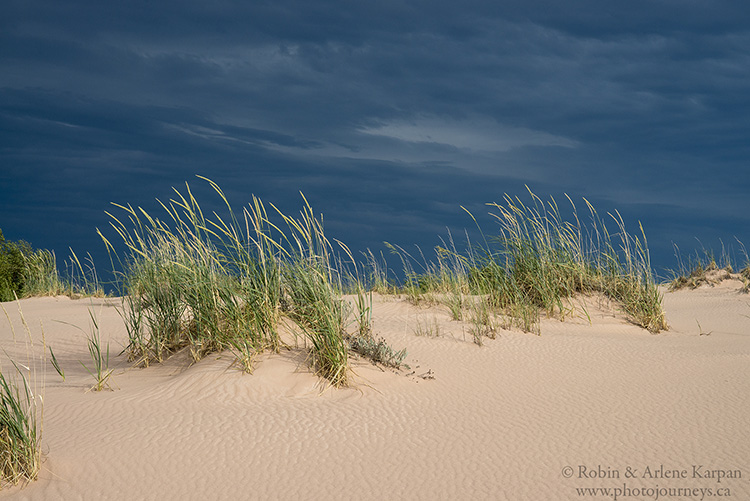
<point>12,268</point>
<point>25,271</point>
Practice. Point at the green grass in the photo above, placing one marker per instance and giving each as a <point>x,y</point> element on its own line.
<point>427,329</point>
<point>21,415</point>
<point>209,283</point>
<point>535,263</point>
<point>314,302</point>
<point>13,273</point>
<point>19,434</point>
<point>99,368</point>
<point>27,272</point>
<point>704,268</point>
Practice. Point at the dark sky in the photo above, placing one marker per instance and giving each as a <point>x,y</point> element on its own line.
<point>388,115</point>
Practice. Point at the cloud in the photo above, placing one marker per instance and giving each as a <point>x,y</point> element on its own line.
<point>387,113</point>
<point>473,135</point>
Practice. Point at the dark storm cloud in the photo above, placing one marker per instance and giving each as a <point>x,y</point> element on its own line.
<point>388,115</point>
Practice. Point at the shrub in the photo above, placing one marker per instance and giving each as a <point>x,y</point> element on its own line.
<point>12,267</point>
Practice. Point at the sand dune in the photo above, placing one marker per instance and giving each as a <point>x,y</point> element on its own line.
<point>523,417</point>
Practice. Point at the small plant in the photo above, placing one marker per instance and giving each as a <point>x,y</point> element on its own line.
<point>363,301</point>
<point>100,370</point>
<point>378,351</point>
<point>745,276</point>
<point>455,302</point>
<point>427,329</point>
<point>482,320</point>
<point>364,313</point>
<point>244,354</point>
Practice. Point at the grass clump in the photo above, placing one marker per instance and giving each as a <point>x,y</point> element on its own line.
<point>20,451</point>
<point>309,284</point>
<point>546,260</point>
<point>99,369</point>
<point>539,260</point>
<point>14,273</point>
<point>705,269</point>
<point>213,283</point>
<point>26,272</point>
<point>428,329</point>
<point>21,411</point>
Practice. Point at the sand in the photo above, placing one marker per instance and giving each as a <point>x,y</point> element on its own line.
<point>584,405</point>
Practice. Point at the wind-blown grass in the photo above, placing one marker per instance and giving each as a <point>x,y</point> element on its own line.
<point>21,415</point>
<point>208,283</point>
<point>99,369</point>
<point>213,283</point>
<point>314,303</point>
<point>19,435</point>
<point>27,272</point>
<point>706,268</point>
<point>536,262</point>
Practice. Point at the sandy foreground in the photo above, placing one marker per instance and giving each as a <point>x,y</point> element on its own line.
<point>584,406</point>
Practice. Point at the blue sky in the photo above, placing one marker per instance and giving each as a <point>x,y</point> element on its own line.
<point>388,115</point>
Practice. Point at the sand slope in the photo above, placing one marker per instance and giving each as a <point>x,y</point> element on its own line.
<point>518,418</point>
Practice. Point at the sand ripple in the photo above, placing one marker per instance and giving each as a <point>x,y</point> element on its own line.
<point>500,421</point>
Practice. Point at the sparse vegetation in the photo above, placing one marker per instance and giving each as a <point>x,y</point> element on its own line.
<point>21,410</point>
<point>378,351</point>
<point>26,272</point>
<point>13,273</point>
<point>99,370</point>
<point>213,283</point>
<point>19,434</point>
<point>537,261</point>
<point>705,269</point>
<point>427,329</point>
<point>207,283</point>
<point>483,322</point>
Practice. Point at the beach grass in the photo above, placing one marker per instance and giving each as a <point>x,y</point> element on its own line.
<point>705,268</point>
<point>210,282</point>
<point>214,283</point>
<point>21,415</point>
<point>99,367</point>
<point>19,434</point>
<point>535,263</point>
<point>29,272</point>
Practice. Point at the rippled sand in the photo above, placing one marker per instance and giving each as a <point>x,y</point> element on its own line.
<point>523,417</point>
